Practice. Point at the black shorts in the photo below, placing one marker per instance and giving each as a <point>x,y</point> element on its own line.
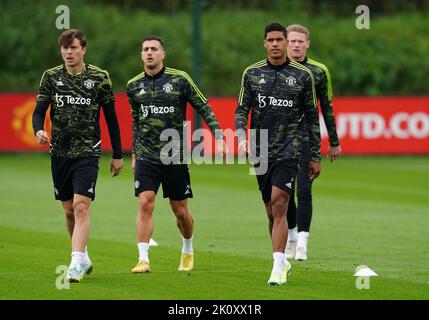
<point>281,174</point>
<point>74,176</point>
<point>175,179</point>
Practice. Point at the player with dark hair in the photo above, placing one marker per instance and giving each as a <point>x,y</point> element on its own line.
<point>158,98</point>
<point>281,95</point>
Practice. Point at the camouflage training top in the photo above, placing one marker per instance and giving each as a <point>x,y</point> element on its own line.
<point>282,98</point>
<point>159,102</point>
<point>75,109</point>
<point>323,83</point>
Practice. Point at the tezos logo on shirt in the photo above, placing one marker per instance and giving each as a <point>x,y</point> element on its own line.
<point>71,100</point>
<point>156,110</point>
<point>272,101</point>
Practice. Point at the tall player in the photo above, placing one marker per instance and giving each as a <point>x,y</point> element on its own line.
<point>75,91</point>
<point>281,95</point>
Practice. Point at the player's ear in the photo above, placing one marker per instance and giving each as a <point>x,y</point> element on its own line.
<point>308,44</point>
<point>83,50</point>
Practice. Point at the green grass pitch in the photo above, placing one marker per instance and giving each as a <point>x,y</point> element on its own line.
<point>367,211</point>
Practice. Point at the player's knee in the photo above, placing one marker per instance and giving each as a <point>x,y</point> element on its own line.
<point>145,206</point>
<point>279,203</point>
<point>180,209</point>
<point>181,212</point>
<point>279,209</point>
<point>81,209</point>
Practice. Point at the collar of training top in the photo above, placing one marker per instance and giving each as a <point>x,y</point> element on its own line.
<point>77,74</point>
<point>155,76</point>
<point>278,66</point>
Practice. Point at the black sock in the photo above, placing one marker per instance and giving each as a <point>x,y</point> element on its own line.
<point>291,211</point>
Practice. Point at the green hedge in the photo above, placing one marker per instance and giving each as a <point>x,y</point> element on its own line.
<point>388,59</point>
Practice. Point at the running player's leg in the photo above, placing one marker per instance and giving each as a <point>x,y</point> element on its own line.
<point>184,218</point>
<point>279,205</point>
<point>144,221</point>
<point>66,181</point>
<point>147,178</point>
<point>70,222</point>
<point>305,204</point>
<point>281,267</point>
<point>80,263</point>
<point>282,179</point>
<point>185,223</point>
<point>176,185</point>
<point>81,209</point>
<point>291,211</point>
<point>292,230</point>
<point>144,229</point>
<point>84,179</point>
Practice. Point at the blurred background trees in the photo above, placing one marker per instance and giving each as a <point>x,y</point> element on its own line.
<point>388,59</point>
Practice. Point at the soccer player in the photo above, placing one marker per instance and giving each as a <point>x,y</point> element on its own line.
<point>158,98</point>
<point>297,44</point>
<point>75,91</point>
<point>281,95</point>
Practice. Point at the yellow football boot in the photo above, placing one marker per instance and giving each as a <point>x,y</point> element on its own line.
<point>141,267</point>
<point>186,262</point>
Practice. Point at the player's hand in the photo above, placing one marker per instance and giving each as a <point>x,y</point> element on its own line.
<point>133,162</point>
<point>116,166</point>
<point>243,148</point>
<point>42,137</point>
<point>314,170</point>
<point>334,152</point>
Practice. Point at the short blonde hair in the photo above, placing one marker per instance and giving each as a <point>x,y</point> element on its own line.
<point>298,28</point>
